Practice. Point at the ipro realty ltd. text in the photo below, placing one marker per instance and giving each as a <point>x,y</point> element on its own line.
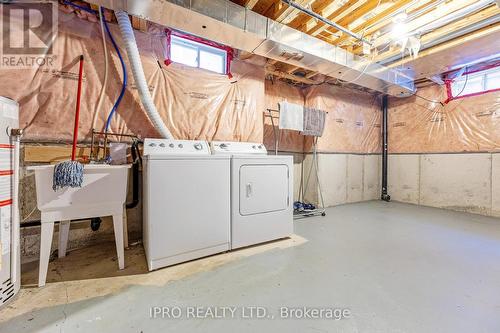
<point>247,312</point>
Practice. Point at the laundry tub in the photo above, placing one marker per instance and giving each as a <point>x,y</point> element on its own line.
<point>103,193</point>
<point>104,186</point>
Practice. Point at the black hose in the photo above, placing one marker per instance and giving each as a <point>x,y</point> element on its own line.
<point>137,161</point>
<point>37,223</point>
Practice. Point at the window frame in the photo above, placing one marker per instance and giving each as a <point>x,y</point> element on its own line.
<point>204,45</point>
<point>449,82</point>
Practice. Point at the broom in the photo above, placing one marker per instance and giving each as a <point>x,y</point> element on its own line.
<point>70,173</point>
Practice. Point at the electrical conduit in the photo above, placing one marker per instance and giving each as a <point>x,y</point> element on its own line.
<point>138,73</point>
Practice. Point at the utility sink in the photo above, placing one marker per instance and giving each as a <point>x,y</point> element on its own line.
<point>104,186</point>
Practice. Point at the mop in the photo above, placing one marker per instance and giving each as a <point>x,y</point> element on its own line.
<point>70,173</point>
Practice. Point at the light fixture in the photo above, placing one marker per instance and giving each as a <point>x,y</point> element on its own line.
<point>399,29</point>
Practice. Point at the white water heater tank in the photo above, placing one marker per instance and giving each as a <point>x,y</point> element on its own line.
<point>10,257</point>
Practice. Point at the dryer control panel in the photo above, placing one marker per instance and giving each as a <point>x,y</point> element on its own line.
<point>175,147</point>
<point>237,148</point>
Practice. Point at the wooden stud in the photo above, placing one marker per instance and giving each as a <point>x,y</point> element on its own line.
<point>285,75</point>
<point>52,154</point>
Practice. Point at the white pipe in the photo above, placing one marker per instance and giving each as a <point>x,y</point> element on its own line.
<point>15,243</point>
<point>138,73</point>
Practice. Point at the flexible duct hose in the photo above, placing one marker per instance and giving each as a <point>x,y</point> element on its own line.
<point>138,73</point>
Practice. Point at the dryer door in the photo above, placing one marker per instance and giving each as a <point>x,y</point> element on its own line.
<point>263,188</point>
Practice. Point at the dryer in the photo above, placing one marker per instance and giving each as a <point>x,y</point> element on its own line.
<point>261,193</point>
<point>186,202</point>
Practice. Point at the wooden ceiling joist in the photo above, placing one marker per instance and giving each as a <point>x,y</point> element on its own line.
<point>317,6</point>
<point>349,6</point>
<point>287,13</point>
<point>288,76</point>
<point>356,14</point>
<point>395,7</point>
<point>373,19</point>
<point>468,21</point>
<point>250,4</point>
<point>421,22</point>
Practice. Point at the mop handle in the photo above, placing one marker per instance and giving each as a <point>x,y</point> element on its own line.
<point>77,114</point>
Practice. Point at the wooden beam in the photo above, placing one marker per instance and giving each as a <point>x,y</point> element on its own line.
<point>346,8</point>
<point>52,153</point>
<point>288,76</point>
<point>246,3</point>
<point>311,74</point>
<point>376,18</point>
<point>139,24</point>
<point>262,6</point>
<point>357,13</point>
<point>288,14</point>
<point>467,21</point>
<point>317,6</point>
<point>293,69</point>
<point>494,29</point>
<point>276,8</point>
<point>420,22</point>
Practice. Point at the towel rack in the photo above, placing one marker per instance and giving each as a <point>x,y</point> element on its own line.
<point>303,189</point>
<point>275,132</point>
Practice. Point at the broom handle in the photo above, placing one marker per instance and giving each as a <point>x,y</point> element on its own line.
<point>77,113</point>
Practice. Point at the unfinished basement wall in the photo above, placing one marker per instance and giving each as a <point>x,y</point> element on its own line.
<point>349,151</point>
<point>195,104</point>
<point>446,156</point>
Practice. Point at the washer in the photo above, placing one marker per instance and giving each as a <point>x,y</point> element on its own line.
<point>261,193</point>
<point>186,202</point>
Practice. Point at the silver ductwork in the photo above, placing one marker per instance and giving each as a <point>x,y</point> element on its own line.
<point>227,23</point>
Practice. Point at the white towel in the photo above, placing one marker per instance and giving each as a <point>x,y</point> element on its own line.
<point>291,116</point>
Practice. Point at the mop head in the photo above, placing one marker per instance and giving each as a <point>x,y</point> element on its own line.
<point>68,173</point>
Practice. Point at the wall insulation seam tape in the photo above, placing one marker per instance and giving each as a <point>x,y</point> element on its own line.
<point>138,73</point>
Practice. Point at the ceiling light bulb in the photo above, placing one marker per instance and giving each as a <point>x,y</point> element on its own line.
<point>399,30</point>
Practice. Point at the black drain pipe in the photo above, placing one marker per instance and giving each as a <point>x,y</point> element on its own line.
<point>137,161</point>
<point>385,132</point>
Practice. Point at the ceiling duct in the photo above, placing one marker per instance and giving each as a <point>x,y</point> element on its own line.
<point>228,23</point>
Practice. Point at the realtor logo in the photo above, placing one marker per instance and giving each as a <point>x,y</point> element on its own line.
<point>29,30</point>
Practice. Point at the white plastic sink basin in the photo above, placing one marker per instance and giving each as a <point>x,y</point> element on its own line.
<point>104,186</point>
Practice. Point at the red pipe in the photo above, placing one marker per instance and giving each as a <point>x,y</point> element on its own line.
<point>77,114</point>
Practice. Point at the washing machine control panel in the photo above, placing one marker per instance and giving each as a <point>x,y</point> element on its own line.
<point>175,147</point>
<point>237,148</point>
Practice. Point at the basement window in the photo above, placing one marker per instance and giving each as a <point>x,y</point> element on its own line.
<point>197,52</point>
<point>474,83</point>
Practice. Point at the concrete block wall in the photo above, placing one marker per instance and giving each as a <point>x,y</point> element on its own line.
<point>462,182</point>
<point>344,178</point>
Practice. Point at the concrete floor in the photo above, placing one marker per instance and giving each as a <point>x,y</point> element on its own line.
<point>395,267</point>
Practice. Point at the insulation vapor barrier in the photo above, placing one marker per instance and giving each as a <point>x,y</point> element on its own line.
<point>197,104</point>
<point>470,124</point>
<point>194,104</point>
<point>277,92</point>
<point>353,119</point>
